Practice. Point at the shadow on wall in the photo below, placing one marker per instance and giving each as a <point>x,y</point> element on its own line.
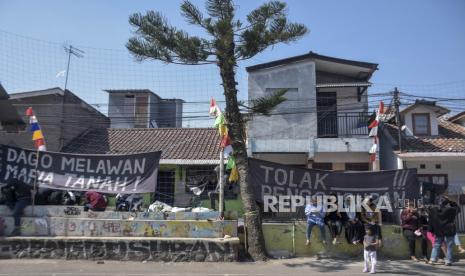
<point>288,240</point>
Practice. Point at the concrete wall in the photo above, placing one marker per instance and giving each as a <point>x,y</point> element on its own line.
<point>284,158</point>
<point>288,240</point>
<point>170,113</point>
<point>286,132</point>
<point>121,110</point>
<point>134,249</point>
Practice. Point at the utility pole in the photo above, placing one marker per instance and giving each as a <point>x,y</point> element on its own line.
<point>399,125</point>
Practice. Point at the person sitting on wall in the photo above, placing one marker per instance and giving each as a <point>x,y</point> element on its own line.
<point>412,229</point>
<point>354,230</point>
<point>95,202</point>
<point>315,217</point>
<point>18,194</point>
<point>334,220</point>
<point>372,219</point>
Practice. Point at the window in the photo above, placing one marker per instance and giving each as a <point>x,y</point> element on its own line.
<point>421,124</point>
<point>434,178</point>
<point>165,187</point>
<point>357,167</point>
<point>323,166</point>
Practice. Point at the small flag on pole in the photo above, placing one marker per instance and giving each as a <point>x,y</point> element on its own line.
<point>374,133</point>
<point>37,135</point>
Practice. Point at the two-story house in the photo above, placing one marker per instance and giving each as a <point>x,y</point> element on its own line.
<point>142,108</point>
<point>323,122</point>
<point>430,142</point>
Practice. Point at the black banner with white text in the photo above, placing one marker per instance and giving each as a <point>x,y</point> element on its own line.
<point>273,179</point>
<point>129,173</point>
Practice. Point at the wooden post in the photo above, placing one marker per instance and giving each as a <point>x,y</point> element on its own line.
<point>34,189</point>
<point>221,197</point>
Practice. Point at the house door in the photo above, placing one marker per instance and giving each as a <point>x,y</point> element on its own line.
<point>165,187</point>
<point>326,107</point>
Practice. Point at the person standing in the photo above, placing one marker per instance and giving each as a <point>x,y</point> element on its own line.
<point>370,245</point>
<point>372,219</point>
<point>410,223</point>
<point>315,216</point>
<point>442,223</point>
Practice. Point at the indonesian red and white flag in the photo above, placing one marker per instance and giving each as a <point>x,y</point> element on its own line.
<point>214,109</point>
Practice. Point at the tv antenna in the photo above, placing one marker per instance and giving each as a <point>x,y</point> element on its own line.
<point>75,52</point>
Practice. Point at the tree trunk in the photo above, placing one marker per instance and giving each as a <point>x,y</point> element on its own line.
<point>236,127</point>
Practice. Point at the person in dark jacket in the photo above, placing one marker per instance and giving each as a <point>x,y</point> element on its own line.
<point>411,229</point>
<point>19,194</point>
<point>354,229</point>
<point>442,224</point>
<point>334,220</point>
<point>95,202</point>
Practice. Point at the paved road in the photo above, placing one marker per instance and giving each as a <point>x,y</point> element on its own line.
<point>299,266</point>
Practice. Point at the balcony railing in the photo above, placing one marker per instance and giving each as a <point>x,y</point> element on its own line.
<point>332,125</point>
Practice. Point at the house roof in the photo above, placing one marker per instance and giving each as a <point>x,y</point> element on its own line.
<point>451,139</point>
<point>54,91</point>
<point>10,120</point>
<point>36,93</point>
<point>3,94</point>
<point>371,67</point>
<point>457,117</point>
<point>346,84</point>
<point>129,91</point>
<point>178,145</point>
<point>439,110</point>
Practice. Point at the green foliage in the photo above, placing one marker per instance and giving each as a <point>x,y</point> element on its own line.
<point>156,39</point>
<point>264,105</point>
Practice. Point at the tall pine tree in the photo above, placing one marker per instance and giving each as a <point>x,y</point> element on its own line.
<point>227,41</point>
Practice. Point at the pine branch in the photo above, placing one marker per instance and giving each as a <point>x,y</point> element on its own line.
<point>264,105</point>
<point>192,14</point>
<point>156,39</point>
<point>267,26</point>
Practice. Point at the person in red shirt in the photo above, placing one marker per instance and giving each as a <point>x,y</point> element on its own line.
<point>95,202</point>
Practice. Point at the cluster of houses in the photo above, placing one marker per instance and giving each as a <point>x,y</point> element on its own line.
<point>322,125</point>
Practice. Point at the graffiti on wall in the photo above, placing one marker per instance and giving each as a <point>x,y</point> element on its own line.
<point>138,250</point>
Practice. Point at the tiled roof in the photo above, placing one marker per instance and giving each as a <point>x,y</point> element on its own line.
<point>186,144</point>
<point>451,138</point>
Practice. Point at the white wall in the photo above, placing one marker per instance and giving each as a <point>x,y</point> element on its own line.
<point>455,169</point>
